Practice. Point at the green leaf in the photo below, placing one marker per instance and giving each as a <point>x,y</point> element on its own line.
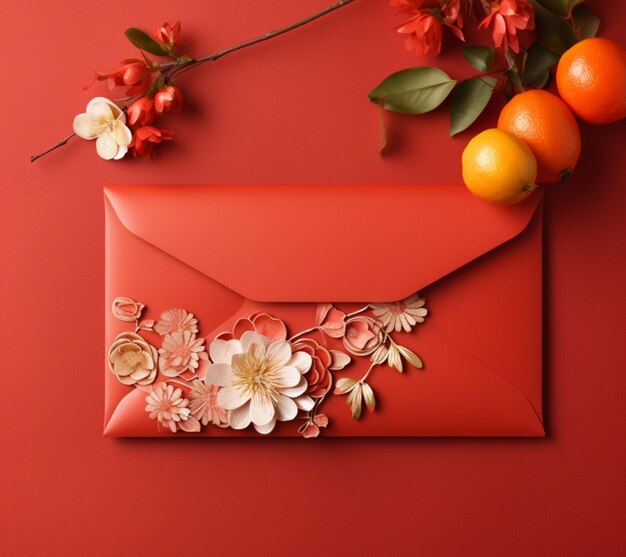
<point>468,101</point>
<point>554,32</point>
<point>586,23</point>
<point>413,91</point>
<point>144,42</point>
<point>537,66</point>
<point>479,57</point>
<point>560,7</point>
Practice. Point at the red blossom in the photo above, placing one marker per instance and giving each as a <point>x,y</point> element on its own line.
<point>505,19</point>
<point>141,112</point>
<point>145,138</point>
<point>425,29</point>
<point>133,73</point>
<point>167,34</point>
<point>169,99</point>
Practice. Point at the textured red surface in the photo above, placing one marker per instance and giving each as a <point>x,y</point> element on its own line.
<point>290,110</point>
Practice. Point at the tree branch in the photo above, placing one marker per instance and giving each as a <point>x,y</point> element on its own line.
<point>178,68</point>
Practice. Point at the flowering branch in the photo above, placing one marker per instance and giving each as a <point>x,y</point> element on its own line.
<point>169,70</point>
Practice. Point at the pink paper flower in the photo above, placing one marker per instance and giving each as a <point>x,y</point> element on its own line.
<point>126,309</point>
<point>261,323</point>
<point>169,408</point>
<point>181,351</point>
<point>330,320</point>
<point>363,335</point>
<point>401,315</point>
<point>312,427</point>
<point>174,320</point>
<point>203,404</point>
<point>319,378</point>
<point>262,380</point>
<point>133,360</point>
<point>425,29</point>
<point>505,19</point>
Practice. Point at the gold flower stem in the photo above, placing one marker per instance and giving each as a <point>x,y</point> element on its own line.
<point>372,366</point>
<point>357,312</point>
<point>303,333</point>
<point>182,382</point>
<point>174,69</point>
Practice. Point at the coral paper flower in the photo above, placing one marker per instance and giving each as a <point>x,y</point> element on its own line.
<point>425,29</point>
<point>170,409</point>
<point>363,335</point>
<point>401,315</point>
<point>319,378</point>
<point>105,122</point>
<point>505,19</point>
<point>181,351</point>
<point>261,323</point>
<point>133,360</point>
<point>126,309</point>
<point>330,320</point>
<point>141,111</point>
<point>145,138</point>
<point>203,404</point>
<point>169,99</point>
<point>167,34</point>
<point>263,380</point>
<point>176,319</point>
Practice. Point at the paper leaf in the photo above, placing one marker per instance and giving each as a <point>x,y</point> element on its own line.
<point>355,401</point>
<point>586,23</point>
<point>344,385</point>
<point>554,32</point>
<point>380,355</point>
<point>560,7</point>
<point>368,395</point>
<point>411,357</point>
<point>537,67</point>
<point>479,57</point>
<point>393,358</point>
<point>414,90</point>
<point>190,425</point>
<point>339,360</point>
<point>142,41</point>
<point>468,101</point>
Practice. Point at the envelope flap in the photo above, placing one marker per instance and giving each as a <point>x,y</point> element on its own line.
<point>314,243</point>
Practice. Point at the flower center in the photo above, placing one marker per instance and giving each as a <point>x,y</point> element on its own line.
<point>257,374</point>
<point>134,359</point>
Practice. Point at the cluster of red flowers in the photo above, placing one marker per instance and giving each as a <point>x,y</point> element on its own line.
<point>424,29</point>
<point>148,94</point>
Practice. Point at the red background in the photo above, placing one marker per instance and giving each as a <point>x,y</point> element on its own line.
<point>290,110</point>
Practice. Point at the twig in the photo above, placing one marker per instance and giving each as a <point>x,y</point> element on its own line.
<point>59,144</point>
<point>177,68</point>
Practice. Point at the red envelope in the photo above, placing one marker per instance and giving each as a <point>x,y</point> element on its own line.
<point>225,252</point>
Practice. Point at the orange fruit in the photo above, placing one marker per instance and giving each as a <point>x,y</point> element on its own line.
<point>591,79</point>
<point>548,127</point>
<point>499,167</point>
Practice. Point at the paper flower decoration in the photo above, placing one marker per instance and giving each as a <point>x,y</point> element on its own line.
<point>396,316</point>
<point>132,359</point>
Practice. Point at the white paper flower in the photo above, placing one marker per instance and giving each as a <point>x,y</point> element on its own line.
<point>263,380</point>
<point>105,122</point>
